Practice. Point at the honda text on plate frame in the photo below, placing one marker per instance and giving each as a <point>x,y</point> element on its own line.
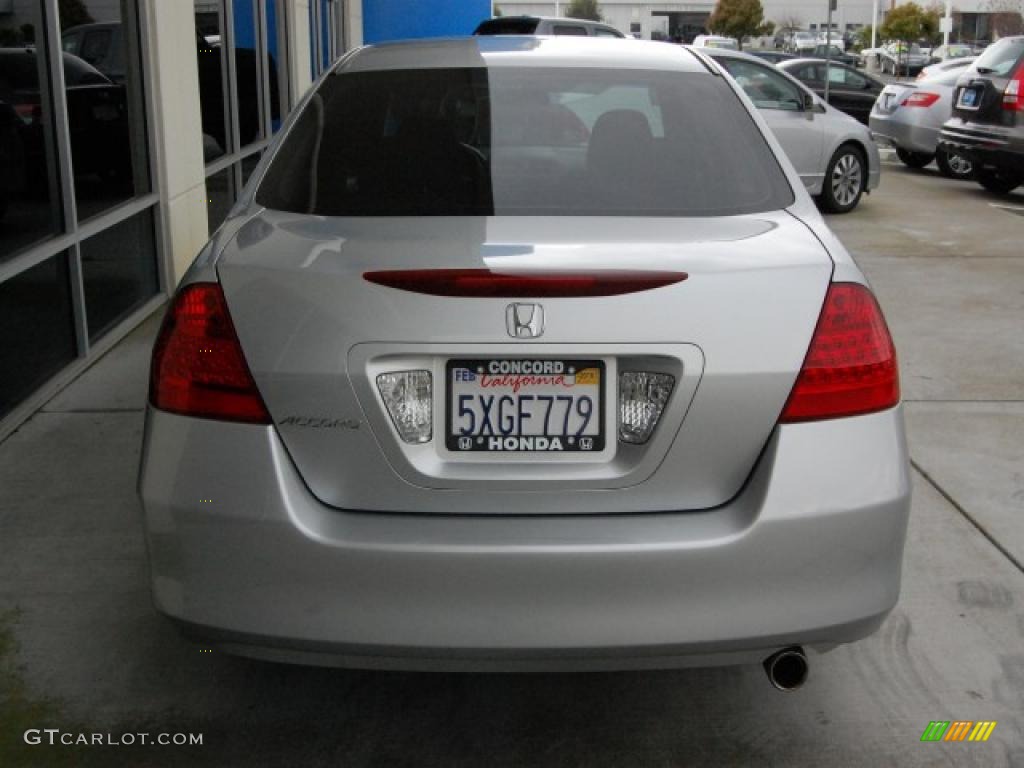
<point>613,394</point>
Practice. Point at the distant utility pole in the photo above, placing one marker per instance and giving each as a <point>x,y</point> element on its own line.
<point>947,22</point>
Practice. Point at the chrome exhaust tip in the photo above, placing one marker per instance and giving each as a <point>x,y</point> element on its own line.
<point>787,669</point>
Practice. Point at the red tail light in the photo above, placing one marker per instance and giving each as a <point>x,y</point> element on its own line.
<point>850,367</point>
<point>920,99</point>
<point>198,366</point>
<point>1013,96</point>
<point>483,283</point>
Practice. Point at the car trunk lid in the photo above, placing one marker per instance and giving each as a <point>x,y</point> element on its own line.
<point>316,336</point>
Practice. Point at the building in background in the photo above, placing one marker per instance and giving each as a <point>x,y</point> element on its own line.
<point>127,130</point>
<point>669,21</point>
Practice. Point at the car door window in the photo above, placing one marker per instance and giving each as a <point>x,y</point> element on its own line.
<point>810,73</point>
<point>855,81</point>
<point>95,46</point>
<point>765,86</point>
<point>605,33</point>
<point>569,29</point>
<point>70,43</point>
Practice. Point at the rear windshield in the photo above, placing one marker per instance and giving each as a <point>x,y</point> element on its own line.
<point>1000,58</point>
<point>524,141</point>
<point>507,27</point>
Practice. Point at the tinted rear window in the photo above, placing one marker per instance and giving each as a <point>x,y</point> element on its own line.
<point>519,141</point>
<point>507,27</point>
<point>1000,58</point>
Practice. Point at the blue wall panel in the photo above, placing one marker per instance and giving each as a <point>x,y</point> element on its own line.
<point>405,19</point>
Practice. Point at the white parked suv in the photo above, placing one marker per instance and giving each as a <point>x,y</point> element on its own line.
<point>715,41</point>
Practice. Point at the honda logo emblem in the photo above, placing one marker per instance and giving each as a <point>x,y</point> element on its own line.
<point>524,321</point>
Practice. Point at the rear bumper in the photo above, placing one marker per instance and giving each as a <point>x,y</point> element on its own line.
<point>986,148</point>
<point>808,553</point>
<point>891,130</point>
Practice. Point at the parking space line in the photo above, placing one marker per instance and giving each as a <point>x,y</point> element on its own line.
<point>1017,209</point>
<point>967,516</point>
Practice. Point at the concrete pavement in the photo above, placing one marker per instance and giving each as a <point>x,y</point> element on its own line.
<point>91,653</point>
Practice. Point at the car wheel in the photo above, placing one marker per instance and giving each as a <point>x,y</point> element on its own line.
<point>954,165</point>
<point>845,180</point>
<point>998,181</point>
<point>914,159</point>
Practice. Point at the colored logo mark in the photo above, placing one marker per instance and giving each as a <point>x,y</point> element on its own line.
<point>958,730</point>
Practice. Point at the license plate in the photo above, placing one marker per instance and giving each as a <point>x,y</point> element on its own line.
<point>505,405</point>
<point>968,99</point>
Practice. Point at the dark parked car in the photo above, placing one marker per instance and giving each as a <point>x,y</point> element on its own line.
<point>837,55</point>
<point>988,116</point>
<point>97,119</point>
<point>773,56</point>
<point>545,25</point>
<point>101,45</point>
<point>851,91</point>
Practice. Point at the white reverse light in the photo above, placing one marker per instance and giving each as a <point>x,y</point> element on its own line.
<point>408,398</point>
<point>642,398</point>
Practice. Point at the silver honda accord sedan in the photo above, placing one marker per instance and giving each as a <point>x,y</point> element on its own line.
<point>525,353</point>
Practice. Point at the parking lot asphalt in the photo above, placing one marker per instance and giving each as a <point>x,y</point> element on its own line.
<point>82,650</point>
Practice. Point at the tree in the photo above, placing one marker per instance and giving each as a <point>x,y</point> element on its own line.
<point>73,13</point>
<point>584,9</point>
<point>496,11</point>
<point>864,36</point>
<point>909,23</point>
<point>739,19</point>
<point>790,23</point>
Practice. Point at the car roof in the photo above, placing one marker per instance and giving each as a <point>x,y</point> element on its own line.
<point>813,59</point>
<point>522,50</point>
<point>728,53</point>
<point>531,17</point>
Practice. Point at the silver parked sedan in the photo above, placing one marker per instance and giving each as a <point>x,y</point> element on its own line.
<point>521,353</point>
<point>834,154</point>
<point>908,116</point>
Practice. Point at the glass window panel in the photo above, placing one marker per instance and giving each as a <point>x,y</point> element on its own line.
<point>106,116</point>
<point>220,196</point>
<point>30,207</point>
<point>248,81</point>
<point>37,333</point>
<point>314,66</point>
<point>278,108</point>
<point>119,271</point>
<point>212,93</point>
<point>326,48</point>
<point>627,143</point>
<point>249,165</point>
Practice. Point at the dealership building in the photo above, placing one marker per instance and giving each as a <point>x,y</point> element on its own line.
<point>116,166</point>
<point>686,19</point>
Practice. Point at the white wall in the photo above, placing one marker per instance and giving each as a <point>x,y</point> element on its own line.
<point>174,80</point>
